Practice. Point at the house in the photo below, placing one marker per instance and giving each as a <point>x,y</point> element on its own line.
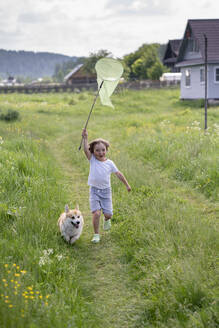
<point>191,59</point>
<point>9,81</point>
<point>171,54</point>
<point>78,75</point>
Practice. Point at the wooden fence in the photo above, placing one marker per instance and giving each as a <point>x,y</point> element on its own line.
<point>61,87</point>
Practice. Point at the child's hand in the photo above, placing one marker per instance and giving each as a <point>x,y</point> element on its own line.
<point>129,188</point>
<point>84,133</point>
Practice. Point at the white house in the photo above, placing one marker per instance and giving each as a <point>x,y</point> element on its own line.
<point>191,59</point>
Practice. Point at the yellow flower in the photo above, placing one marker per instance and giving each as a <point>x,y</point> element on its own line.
<point>30,288</point>
<point>47,296</point>
<point>12,280</point>
<point>6,301</point>
<point>10,305</point>
<point>17,274</point>
<point>40,296</point>
<point>23,271</point>
<point>6,296</point>
<point>6,265</point>
<point>14,265</point>
<point>6,285</point>
<point>18,267</point>
<point>46,304</point>
<point>4,280</point>
<point>9,271</point>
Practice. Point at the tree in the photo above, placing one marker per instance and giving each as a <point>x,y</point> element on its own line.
<point>155,72</point>
<point>141,62</point>
<point>89,64</point>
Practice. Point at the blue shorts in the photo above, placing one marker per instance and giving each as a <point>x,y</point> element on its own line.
<point>101,199</point>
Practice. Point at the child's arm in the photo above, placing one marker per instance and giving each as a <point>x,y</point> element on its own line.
<point>85,143</point>
<point>123,179</point>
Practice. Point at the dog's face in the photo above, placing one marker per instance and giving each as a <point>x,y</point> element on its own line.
<point>74,216</point>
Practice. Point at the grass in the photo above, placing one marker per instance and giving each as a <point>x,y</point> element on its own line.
<point>159,265</point>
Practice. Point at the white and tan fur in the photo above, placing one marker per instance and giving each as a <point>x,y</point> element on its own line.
<point>71,224</point>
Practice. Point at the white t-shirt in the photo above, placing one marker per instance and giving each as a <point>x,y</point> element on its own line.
<point>100,172</point>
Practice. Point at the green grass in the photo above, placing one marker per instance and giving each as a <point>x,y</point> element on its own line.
<point>159,265</point>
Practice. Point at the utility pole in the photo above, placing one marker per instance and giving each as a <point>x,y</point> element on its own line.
<point>206,80</point>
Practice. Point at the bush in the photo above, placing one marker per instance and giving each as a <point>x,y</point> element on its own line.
<point>10,115</point>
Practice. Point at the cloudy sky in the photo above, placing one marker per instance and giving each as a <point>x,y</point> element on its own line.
<point>79,27</point>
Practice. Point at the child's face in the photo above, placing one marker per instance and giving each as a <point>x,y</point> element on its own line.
<point>100,151</point>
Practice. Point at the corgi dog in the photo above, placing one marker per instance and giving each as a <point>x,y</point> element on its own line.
<point>71,224</point>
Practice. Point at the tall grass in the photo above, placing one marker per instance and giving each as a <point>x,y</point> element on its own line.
<point>165,231</point>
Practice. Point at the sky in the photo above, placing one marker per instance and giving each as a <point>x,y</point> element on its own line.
<point>81,27</point>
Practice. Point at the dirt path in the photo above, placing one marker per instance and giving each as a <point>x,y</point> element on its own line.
<point>115,303</point>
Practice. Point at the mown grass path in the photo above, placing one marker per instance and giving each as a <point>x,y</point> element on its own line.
<point>114,302</point>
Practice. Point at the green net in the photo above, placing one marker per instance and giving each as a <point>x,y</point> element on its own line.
<point>110,71</point>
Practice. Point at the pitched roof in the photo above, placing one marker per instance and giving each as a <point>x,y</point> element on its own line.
<point>172,50</point>
<point>199,28</point>
<point>73,72</point>
<point>175,45</point>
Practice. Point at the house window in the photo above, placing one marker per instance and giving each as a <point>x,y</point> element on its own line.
<point>216,75</point>
<point>193,45</point>
<point>188,77</point>
<point>202,75</point>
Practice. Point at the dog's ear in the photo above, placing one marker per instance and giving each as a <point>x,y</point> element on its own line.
<point>77,207</point>
<point>66,208</point>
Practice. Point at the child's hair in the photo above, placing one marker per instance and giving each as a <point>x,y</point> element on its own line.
<point>98,141</point>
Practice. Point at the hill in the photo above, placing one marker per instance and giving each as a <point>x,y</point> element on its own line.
<point>29,63</point>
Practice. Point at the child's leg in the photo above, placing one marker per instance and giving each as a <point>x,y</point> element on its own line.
<point>107,216</point>
<point>96,221</point>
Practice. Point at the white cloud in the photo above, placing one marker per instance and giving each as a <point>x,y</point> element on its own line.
<point>78,27</point>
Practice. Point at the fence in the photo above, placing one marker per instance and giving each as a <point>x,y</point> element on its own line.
<point>61,87</point>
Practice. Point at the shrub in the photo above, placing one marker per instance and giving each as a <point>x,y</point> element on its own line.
<point>10,115</point>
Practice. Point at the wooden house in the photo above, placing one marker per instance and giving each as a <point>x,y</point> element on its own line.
<point>191,59</point>
<point>171,54</point>
<point>78,76</point>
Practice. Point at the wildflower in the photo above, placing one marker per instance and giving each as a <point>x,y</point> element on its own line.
<point>17,274</point>
<point>23,271</point>
<point>59,257</point>
<point>10,305</point>
<point>30,288</point>
<point>4,280</point>
<point>6,265</point>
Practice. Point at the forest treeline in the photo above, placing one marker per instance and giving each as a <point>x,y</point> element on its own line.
<point>144,63</point>
<point>30,64</point>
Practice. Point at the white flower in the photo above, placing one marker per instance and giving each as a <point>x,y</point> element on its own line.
<point>59,257</point>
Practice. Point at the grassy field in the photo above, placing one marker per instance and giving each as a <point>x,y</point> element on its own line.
<point>159,264</point>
